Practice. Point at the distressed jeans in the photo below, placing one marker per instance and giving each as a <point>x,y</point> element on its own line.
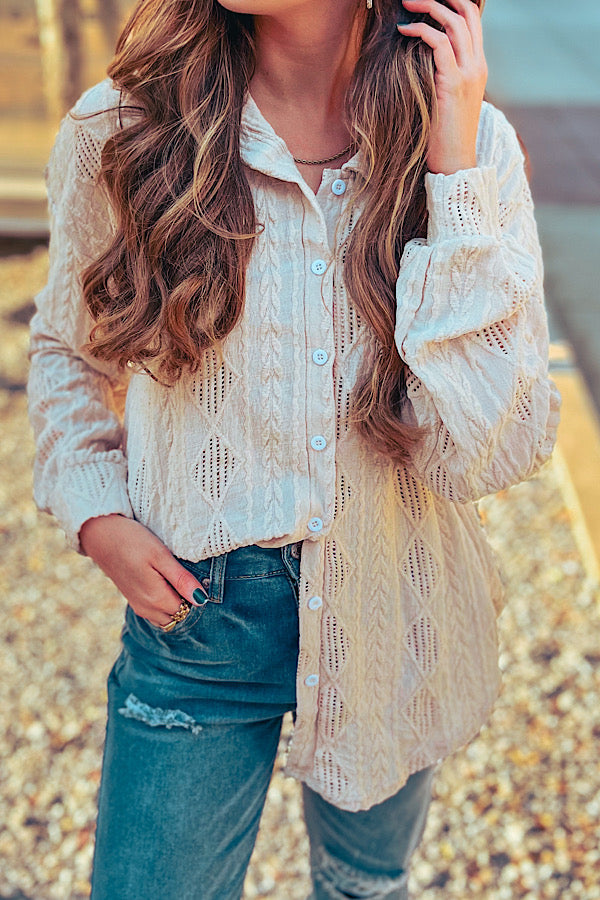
<point>194,718</point>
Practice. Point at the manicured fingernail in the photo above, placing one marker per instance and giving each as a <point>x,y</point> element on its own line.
<point>200,597</point>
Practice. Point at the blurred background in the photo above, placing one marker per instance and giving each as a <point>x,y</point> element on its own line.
<point>516,813</point>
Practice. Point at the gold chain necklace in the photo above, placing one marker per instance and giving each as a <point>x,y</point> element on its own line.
<point>321,162</point>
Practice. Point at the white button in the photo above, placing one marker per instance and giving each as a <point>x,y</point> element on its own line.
<point>320,357</point>
<point>315,603</point>
<point>315,524</point>
<point>319,267</point>
<point>338,187</point>
<point>311,680</point>
<point>318,442</point>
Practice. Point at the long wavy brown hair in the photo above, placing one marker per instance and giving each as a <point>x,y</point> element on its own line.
<point>172,282</point>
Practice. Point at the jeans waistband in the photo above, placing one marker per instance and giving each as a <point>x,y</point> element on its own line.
<point>245,562</point>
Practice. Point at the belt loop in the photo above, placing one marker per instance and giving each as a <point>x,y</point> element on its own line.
<point>217,578</point>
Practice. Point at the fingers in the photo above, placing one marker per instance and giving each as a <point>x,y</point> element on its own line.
<point>181,579</point>
<point>154,598</point>
<point>444,54</point>
<point>170,584</point>
<point>454,25</point>
<point>462,29</point>
<point>443,12</point>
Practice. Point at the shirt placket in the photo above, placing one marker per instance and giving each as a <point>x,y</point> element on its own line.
<point>320,437</point>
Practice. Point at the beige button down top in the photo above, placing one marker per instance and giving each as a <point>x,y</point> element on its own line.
<point>398,589</point>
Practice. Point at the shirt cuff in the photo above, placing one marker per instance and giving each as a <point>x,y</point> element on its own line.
<point>463,204</point>
<point>89,489</point>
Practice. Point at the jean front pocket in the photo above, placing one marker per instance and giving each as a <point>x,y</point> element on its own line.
<point>144,633</point>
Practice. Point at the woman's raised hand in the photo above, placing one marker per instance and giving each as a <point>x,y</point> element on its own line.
<point>143,569</point>
<point>461,76</point>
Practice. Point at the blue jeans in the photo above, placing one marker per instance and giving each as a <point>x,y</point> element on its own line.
<point>194,718</point>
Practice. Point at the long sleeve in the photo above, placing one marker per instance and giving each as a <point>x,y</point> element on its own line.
<point>80,469</point>
<point>471,326</point>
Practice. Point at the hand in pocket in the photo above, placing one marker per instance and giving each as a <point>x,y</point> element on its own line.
<point>145,571</point>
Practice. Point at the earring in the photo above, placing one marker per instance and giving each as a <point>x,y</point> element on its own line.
<point>369,4</point>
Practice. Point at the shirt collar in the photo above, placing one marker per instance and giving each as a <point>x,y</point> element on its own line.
<point>262,148</point>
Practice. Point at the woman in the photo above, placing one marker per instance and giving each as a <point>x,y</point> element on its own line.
<point>295,234</point>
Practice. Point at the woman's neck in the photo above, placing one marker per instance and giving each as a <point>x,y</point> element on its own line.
<point>305,59</point>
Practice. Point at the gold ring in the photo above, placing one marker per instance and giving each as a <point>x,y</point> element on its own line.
<point>179,616</point>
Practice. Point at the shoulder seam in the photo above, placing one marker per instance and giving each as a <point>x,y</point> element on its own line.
<point>101,97</point>
<point>97,111</point>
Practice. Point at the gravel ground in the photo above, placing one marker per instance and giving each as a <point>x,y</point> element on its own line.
<point>515,814</point>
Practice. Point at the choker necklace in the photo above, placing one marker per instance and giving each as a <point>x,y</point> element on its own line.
<point>321,162</point>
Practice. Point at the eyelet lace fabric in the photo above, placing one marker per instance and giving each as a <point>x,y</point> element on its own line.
<point>404,641</point>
